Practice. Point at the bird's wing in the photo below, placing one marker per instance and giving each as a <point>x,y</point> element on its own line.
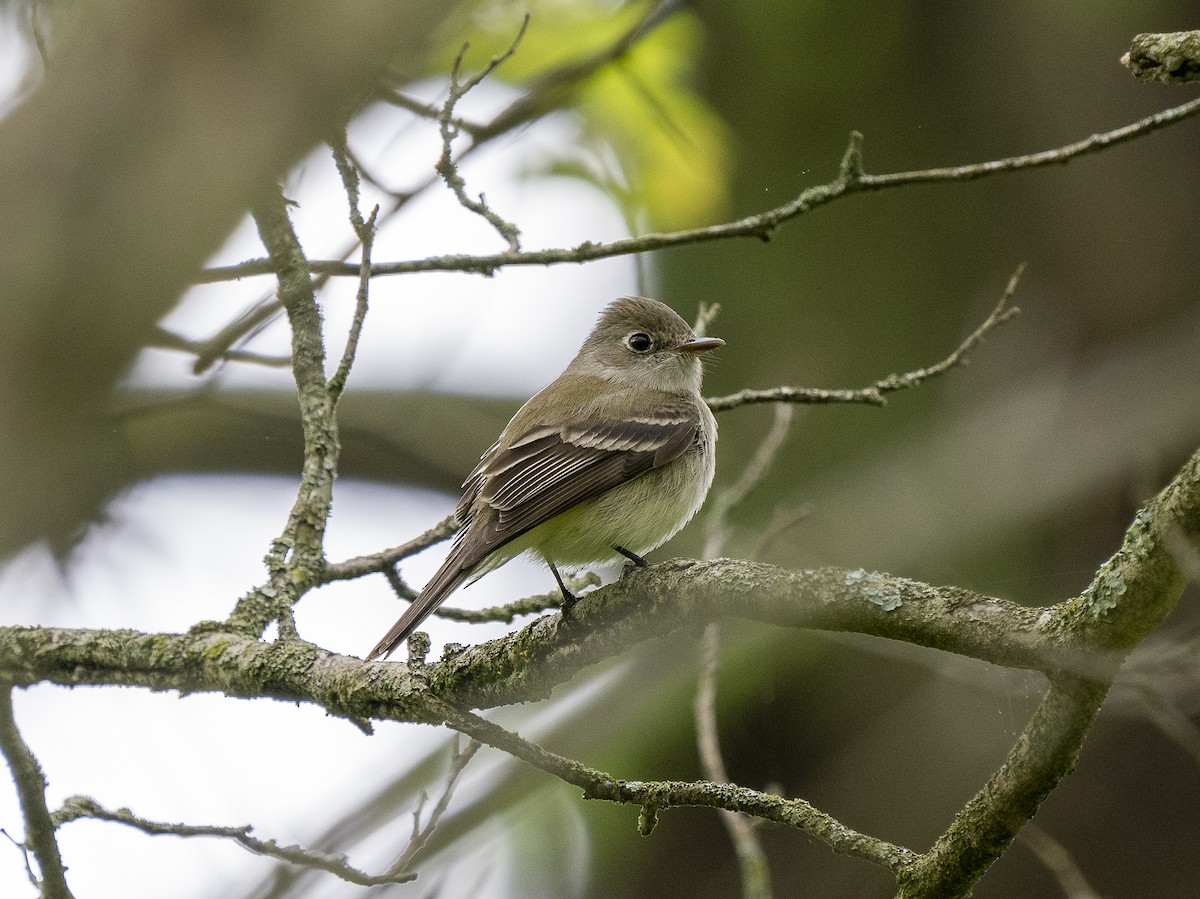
<point>541,473</point>
<point>547,470</point>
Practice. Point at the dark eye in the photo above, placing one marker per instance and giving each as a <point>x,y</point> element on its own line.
<point>638,342</point>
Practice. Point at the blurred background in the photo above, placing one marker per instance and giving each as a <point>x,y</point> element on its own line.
<point>1015,476</point>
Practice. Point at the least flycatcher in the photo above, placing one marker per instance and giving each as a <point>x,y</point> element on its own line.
<point>611,459</point>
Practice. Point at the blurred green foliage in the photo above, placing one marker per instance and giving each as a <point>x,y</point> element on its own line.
<point>646,135</point>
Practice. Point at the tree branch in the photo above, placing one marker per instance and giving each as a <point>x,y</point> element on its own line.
<point>1172,58</point>
<point>31,791</point>
<point>850,180</point>
<point>752,859</point>
<point>80,807</point>
<point>446,166</point>
<point>875,394</point>
<point>1086,636</point>
<point>297,557</point>
<point>1044,753</point>
<point>652,796</point>
<point>1079,642</point>
<point>459,759</point>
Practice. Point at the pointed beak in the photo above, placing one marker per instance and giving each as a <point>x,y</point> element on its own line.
<point>700,345</point>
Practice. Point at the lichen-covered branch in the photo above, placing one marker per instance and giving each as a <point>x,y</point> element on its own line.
<point>654,796</point>
<point>1082,636</point>
<point>1172,58</point>
<point>1079,643</point>
<point>296,559</point>
<point>1044,753</point>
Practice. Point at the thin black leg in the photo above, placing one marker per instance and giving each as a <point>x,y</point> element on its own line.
<point>632,556</point>
<point>569,598</point>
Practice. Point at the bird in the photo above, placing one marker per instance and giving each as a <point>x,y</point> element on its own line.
<point>609,460</point>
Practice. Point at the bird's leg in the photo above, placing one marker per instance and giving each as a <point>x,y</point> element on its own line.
<point>635,561</point>
<point>569,598</point>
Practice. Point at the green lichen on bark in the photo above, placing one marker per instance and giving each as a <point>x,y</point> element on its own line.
<point>1172,58</point>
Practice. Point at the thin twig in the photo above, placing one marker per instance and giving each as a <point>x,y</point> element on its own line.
<point>717,525</point>
<point>337,383</point>
<point>538,101</point>
<point>653,796</point>
<point>752,860</point>
<point>1166,716</point>
<point>205,357</point>
<point>31,791</point>
<point>459,759</point>
<point>762,225</point>
<point>705,316</point>
<point>876,394</point>
<point>348,172</point>
<point>296,558</point>
<point>1058,861</point>
<point>376,562</point>
<point>81,807</point>
<point>429,111</point>
<point>505,614</point>
<point>446,166</point>
<point>24,850</point>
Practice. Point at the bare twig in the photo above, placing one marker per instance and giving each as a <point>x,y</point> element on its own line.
<point>876,394</point>
<point>337,383</point>
<point>348,172</point>
<point>1058,861</point>
<point>23,849</point>
<point>705,316</point>
<point>762,225</point>
<point>31,791</point>
<point>296,559</point>
<point>429,111</point>
<point>548,93</point>
<point>203,350</point>
<point>717,524</point>
<point>80,807</point>
<point>752,860</point>
<point>653,796</point>
<point>506,613</point>
<point>459,759</point>
<point>376,562</point>
<point>1166,716</point>
<point>446,166</point>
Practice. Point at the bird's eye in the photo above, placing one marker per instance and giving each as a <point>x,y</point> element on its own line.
<point>638,342</point>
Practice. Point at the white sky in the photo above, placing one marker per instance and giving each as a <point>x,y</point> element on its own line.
<point>182,549</point>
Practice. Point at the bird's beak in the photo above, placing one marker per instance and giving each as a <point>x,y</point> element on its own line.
<point>700,345</point>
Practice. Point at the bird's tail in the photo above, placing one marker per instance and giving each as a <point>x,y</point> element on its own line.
<point>448,578</point>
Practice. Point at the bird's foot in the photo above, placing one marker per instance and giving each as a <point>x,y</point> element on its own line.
<point>568,598</point>
<point>634,560</point>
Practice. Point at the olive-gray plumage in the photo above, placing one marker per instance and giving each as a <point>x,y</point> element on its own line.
<point>618,451</point>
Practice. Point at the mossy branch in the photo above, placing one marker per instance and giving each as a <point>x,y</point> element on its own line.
<point>1079,643</point>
